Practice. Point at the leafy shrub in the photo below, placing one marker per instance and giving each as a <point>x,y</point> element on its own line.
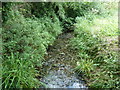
<point>66,12</point>
<point>106,26</point>
<point>25,40</point>
<point>84,42</point>
<point>28,40</point>
<point>95,60</point>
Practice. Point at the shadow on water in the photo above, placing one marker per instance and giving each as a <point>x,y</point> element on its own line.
<point>59,64</point>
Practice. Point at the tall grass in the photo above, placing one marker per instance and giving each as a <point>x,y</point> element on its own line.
<point>25,41</point>
<point>96,61</point>
<point>106,26</point>
<point>18,73</point>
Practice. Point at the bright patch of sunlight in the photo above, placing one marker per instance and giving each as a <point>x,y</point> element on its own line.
<point>106,26</point>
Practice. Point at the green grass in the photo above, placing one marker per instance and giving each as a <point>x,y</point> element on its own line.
<point>25,41</point>
<point>96,61</point>
<point>19,73</point>
<point>106,26</point>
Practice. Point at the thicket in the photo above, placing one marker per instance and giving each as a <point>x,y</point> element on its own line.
<point>25,41</point>
<point>28,30</point>
<point>98,64</point>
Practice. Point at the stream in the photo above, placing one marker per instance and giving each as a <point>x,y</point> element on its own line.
<point>59,64</point>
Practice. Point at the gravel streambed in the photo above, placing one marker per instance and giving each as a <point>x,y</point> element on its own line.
<point>59,65</point>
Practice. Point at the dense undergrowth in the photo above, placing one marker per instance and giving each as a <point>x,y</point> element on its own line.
<point>25,43</point>
<point>29,28</point>
<point>99,65</point>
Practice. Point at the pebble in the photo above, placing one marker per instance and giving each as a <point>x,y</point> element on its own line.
<point>60,73</point>
<point>60,79</point>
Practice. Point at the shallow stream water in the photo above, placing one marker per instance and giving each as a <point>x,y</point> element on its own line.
<point>59,65</point>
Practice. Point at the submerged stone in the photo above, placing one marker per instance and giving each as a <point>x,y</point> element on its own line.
<point>59,66</point>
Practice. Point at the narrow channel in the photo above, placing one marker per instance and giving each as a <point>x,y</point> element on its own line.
<point>59,65</point>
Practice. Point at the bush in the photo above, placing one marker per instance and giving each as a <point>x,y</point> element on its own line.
<point>84,42</point>
<point>28,29</point>
<point>99,64</point>
<point>27,39</point>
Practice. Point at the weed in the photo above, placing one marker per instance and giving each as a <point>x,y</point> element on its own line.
<point>95,59</point>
